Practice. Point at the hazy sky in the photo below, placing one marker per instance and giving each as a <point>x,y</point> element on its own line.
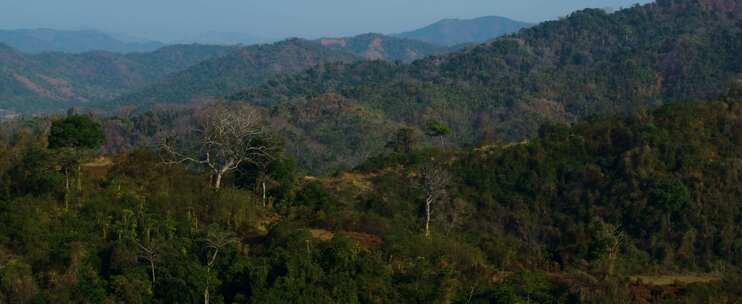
<point>174,19</point>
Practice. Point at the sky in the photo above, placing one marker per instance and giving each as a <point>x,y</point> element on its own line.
<point>172,20</point>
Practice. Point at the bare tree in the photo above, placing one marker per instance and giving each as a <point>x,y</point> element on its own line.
<point>149,253</point>
<point>216,240</point>
<point>435,179</point>
<point>225,138</point>
<point>617,238</point>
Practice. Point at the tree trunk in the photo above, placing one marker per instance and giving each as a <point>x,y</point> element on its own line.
<point>208,274</point>
<point>66,189</point>
<point>67,179</point>
<point>152,269</point>
<point>220,173</point>
<point>79,179</point>
<point>264,195</point>
<point>218,181</point>
<point>428,203</point>
<point>206,295</point>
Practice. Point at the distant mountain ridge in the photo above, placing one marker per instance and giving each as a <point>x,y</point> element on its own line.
<point>253,65</point>
<point>373,46</point>
<point>590,63</point>
<point>179,73</point>
<point>450,32</point>
<point>225,38</point>
<point>241,68</point>
<point>47,40</point>
<point>50,81</point>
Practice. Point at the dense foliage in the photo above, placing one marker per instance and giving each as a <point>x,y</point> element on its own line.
<point>444,206</point>
<point>75,131</point>
<point>254,65</point>
<point>589,63</point>
<point>245,67</point>
<point>565,217</point>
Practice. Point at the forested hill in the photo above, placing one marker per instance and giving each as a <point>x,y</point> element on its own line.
<point>380,47</point>
<point>451,32</point>
<point>252,65</point>
<point>244,67</point>
<point>588,63</point>
<point>48,40</point>
<point>53,81</point>
<point>585,214</point>
<point>180,73</point>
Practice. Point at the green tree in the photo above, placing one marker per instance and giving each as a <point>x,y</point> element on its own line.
<point>670,196</point>
<point>76,131</point>
<point>275,180</point>
<point>72,137</point>
<point>438,129</point>
<point>16,281</point>
<point>404,140</point>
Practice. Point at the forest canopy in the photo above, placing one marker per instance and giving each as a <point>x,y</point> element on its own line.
<point>574,214</point>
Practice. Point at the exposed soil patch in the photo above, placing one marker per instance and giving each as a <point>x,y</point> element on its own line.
<point>366,240</point>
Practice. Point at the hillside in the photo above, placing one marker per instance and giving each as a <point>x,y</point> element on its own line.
<point>641,208</point>
<point>176,58</point>
<point>451,32</point>
<point>588,64</point>
<point>48,40</point>
<point>632,195</point>
<point>253,65</point>
<point>244,67</point>
<point>594,159</point>
<point>179,73</point>
<point>380,47</point>
<point>225,38</point>
<point>53,81</point>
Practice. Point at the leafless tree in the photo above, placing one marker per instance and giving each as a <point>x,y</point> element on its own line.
<point>617,238</point>
<point>149,253</point>
<point>225,137</point>
<point>435,179</point>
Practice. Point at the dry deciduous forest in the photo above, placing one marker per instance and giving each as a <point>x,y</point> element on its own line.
<point>592,159</point>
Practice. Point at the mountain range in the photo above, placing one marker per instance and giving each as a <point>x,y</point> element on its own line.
<point>240,68</point>
<point>225,38</point>
<point>53,69</point>
<point>451,32</point>
<point>178,73</point>
<point>48,40</point>
<point>52,81</point>
<point>448,32</point>
<point>252,65</point>
<point>592,159</point>
<point>587,64</point>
